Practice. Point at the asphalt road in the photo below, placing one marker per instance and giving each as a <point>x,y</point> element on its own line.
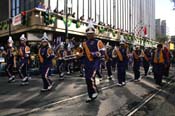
<point>68,97</point>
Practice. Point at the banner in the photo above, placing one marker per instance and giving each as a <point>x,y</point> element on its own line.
<point>16,20</point>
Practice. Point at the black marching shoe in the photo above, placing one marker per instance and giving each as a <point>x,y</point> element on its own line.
<point>11,79</point>
<point>44,90</point>
<point>94,96</point>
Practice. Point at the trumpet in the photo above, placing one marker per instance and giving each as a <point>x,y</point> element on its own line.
<point>70,57</point>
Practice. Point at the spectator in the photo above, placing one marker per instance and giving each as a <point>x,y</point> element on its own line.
<point>41,5</point>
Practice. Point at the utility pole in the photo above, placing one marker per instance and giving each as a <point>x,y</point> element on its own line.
<point>66,28</point>
<point>130,16</point>
<point>10,19</point>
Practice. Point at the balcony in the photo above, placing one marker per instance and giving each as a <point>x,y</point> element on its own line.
<point>35,20</point>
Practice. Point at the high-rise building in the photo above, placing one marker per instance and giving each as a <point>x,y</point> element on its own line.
<point>129,15</point>
<point>160,28</point>
<point>163,27</point>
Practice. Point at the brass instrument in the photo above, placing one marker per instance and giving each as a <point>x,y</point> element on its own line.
<point>70,57</point>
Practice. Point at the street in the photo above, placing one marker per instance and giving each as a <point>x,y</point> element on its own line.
<point>68,97</point>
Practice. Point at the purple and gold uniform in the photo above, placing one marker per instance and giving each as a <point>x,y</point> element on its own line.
<point>46,55</point>
<point>60,61</point>
<point>146,60</point>
<point>11,60</point>
<point>24,55</point>
<point>137,61</point>
<point>121,54</point>
<point>93,50</point>
<point>108,58</point>
<point>159,62</point>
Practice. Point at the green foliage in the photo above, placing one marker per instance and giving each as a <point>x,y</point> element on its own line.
<point>69,21</point>
<point>101,29</point>
<point>78,24</point>
<point>162,39</point>
<point>48,19</point>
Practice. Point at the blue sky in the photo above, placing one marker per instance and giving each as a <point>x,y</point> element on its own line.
<point>164,11</point>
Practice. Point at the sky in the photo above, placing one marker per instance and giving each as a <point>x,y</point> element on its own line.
<point>164,11</point>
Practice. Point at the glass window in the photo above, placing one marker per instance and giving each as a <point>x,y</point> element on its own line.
<point>17,7</point>
<point>13,13</point>
<point>13,4</point>
<point>17,3</point>
<point>13,8</point>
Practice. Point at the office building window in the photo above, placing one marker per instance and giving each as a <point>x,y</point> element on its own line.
<point>15,9</point>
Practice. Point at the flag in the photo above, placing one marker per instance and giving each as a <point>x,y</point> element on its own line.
<point>145,30</point>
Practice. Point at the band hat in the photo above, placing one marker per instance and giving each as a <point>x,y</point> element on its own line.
<point>122,42</point>
<point>108,45</point>
<point>44,38</point>
<point>90,29</point>
<point>23,38</point>
<point>10,40</point>
<point>80,45</point>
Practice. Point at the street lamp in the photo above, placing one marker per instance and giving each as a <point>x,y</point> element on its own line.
<point>68,6</point>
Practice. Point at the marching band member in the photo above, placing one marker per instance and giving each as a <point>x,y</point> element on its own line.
<point>93,50</point>
<point>80,57</point>
<point>121,54</point>
<point>159,62</point>
<point>68,60</point>
<point>146,60</point>
<point>137,61</point>
<point>108,58</point>
<point>11,60</point>
<point>60,60</point>
<point>24,55</point>
<point>114,59</point>
<point>168,57</point>
<point>46,55</point>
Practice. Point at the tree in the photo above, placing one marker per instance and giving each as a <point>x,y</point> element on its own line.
<point>162,39</point>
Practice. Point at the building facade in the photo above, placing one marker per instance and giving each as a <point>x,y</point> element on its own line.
<point>131,16</point>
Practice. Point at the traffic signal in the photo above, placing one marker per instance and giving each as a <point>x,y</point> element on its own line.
<point>23,17</point>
